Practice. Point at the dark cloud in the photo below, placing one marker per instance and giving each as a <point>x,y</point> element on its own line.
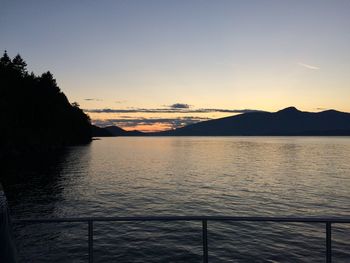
<point>170,122</point>
<point>179,106</point>
<point>92,99</point>
<point>170,110</point>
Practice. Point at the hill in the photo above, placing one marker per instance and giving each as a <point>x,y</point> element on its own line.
<point>113,131</point>
<point>286,122</point>
<point>116,131</point>
<point>100,132</point>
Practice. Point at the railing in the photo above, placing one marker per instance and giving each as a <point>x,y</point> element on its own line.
<point>204,219</point>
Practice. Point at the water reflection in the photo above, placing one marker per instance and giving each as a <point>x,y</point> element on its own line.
<point>266,176</point>
<point>35,187</point>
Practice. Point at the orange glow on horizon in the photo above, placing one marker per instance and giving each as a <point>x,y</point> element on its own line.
<point>162,121</point>
<point>148,128</point>
<point>122,120</point>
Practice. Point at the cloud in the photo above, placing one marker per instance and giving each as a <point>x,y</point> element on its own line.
<point>321,109</point>
<point>180,106</point>
<point>124,120</point>
<point>130,123</point>
<point>308,66</point>
<point>92,99</point>
<point>169,110</point>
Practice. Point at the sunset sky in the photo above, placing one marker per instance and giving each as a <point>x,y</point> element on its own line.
<point>154,65</point>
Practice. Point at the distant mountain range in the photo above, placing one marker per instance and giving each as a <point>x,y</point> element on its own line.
<point>116,131</point>
<point>286,122</point>
<point>113,131</point>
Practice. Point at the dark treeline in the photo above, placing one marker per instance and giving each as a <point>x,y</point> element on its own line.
<point>35,115</point>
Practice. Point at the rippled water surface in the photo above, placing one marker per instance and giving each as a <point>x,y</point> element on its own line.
<point>237,176</point>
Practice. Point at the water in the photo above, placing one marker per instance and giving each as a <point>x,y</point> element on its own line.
<point>237,176</point>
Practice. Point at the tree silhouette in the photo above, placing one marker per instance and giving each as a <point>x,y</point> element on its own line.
<point>5,60</point>
<point>19,64</point>
<point>35,114</point>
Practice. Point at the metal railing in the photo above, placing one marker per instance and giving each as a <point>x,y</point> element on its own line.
<point>204,219</point>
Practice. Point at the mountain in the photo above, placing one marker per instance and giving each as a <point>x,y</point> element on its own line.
<point>286,122</point>
<point>113,131</point>
<point>117,131</point>
<point>100,132</point>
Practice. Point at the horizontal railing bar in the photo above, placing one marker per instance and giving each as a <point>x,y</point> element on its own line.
<point>188,218</point>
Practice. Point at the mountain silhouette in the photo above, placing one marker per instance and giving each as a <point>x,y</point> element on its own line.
<point>287,122</point>
<point>117,131</point>
<point>100,132</point>
<point>113,131</point>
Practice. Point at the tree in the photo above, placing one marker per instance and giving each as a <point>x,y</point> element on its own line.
<point>19,64</point>
<point>48,81</point>
<point>35,115</point>
<point>5,59</point>
<point>75,104</point>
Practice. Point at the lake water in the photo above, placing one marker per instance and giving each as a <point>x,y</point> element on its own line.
<point>235,176</point>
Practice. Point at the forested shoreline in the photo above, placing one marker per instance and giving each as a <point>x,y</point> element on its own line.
<point>36,116</point>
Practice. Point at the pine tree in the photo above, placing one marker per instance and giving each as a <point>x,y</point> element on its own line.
<point>48,80</point>
<point>35,115</point>
<point>5,60</point>
<point>19,64</point>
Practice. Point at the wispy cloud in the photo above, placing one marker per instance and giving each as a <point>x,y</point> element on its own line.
<point>169,110</point>
<point>93,99</point>
<point>124,120</point>
<point>308,66</point>
<point>168,122</point>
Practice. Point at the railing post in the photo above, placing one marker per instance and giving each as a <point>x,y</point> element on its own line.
<point>8,251</point>
<point>205,240</point>
<point>90,241</point>
<point>328,242</point>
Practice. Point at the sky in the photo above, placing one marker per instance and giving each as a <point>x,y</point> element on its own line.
<point>157,65</point>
